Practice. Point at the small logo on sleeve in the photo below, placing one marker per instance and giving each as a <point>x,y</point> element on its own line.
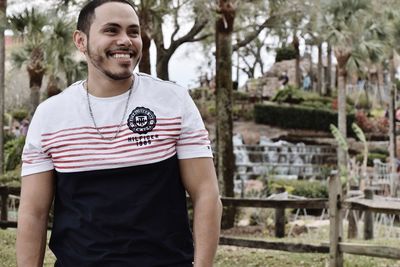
<point>142,120</point>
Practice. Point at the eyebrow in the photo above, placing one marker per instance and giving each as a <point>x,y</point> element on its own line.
<point>119,26</point>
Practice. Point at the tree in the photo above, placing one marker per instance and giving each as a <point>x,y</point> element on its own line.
<point>153,15</point>
<point>3,22</point>
<point>46,50</point>
<point>225,158</point>
<point>29,25</point>
<point>348,24</point>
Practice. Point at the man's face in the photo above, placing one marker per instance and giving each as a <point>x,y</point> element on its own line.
<point>114,45</point>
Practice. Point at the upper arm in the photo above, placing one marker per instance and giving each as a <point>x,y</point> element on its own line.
<point>37,191</point>
<point>199,177</point>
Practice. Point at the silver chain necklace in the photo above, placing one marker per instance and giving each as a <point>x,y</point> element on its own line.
<point>94,121</point>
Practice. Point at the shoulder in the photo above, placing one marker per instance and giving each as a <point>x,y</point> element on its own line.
<point>159,86</point>
<point>63,99</point>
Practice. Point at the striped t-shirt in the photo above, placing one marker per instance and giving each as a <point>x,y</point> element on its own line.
<point>119,202</point>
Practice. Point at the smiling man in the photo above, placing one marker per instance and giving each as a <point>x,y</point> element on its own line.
<point>117,153</point>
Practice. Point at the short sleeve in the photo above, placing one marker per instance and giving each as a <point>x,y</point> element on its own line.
<point>193,141</point>
<point>34,159</point>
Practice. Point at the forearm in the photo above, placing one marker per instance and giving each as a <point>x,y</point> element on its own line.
<point>31,239</point>
<point>206,226</point>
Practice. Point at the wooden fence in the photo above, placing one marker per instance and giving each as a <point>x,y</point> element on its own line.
<point>335,204</point>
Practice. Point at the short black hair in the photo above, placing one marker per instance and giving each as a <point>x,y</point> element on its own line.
<point>86,16</point>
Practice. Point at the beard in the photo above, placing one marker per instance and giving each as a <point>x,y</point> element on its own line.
<point>98,61</point>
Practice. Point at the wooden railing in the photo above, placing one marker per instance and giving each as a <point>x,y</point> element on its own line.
<point>335,204</point>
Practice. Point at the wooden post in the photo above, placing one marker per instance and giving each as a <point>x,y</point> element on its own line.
<point>4,207</point>
<point>368,218</point>
<point>335,221</point>
<point>352,230</point>
<point>280,218</point>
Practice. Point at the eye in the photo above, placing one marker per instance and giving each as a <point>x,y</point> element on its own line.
<point>134,33</point>
<point>110,30</point>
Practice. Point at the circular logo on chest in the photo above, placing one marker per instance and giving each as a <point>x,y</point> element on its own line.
<point>142,120</point>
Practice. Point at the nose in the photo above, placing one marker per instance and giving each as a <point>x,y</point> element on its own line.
<point>124,40</point>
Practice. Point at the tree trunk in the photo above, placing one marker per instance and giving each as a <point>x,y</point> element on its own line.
<point>3,7</point>
<point>162,65</point>
<point>328,76</point>
<point>52,86</point>
<point>296,45</point>
<point>146,34</point>
<point>36,72</point>
<point>145,65</point>
<point>224,100</point>
<point>342,58</point>
<point>319,71</point>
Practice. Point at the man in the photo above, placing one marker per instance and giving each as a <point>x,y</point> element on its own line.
<point>117,153</point>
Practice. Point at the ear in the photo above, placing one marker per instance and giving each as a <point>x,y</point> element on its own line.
<point>80,40</point>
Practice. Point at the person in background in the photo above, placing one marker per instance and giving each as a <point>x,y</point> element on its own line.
<point>117,152</point>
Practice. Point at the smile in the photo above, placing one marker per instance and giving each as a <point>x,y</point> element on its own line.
<point>121,56</point>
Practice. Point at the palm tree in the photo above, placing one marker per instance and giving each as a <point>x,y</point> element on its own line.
<point>3,20</point>
<point>29,26</point>
<point>347,24</point>
<point>58,55</point>
<point>46,50</point>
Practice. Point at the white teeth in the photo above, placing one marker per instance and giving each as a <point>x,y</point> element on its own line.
<point>121,56</point>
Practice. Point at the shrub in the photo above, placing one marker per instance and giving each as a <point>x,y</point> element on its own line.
<point>11,178</point>
<point>304,188</point>
<point>285,53</point>
<point>371,157</point>
<point>297,117</point>
<point>19,114</point>
<point>13,152</point>
<point>289,94</point>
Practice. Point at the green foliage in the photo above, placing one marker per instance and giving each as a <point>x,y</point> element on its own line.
<point>19,114</point>
<point>364,102</point>
<point>196,93</point>
<point>297,117</point>
<point>397,84</point>
<point>11,178</point>
<point>304,188</point>
<point>339,137</point>
<point>371,157</point>
<point>285,53</point>
<point>240,96</point>
<point>13,152</point>
<point>289,94</point>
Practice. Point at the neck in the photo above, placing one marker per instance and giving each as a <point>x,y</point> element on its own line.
<point>108,87</point>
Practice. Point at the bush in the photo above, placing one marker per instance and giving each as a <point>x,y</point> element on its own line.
<point>11,178</point>
<point>13,152</point>
<point>304,188</point>
<point>289,94</point>
<point>371,157</point>
<point>298,117</point>
<point>19,114</point>
<point>285,53</point>
<point>240,96</point>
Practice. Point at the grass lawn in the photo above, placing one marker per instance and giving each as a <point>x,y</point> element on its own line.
<point>227,256</point>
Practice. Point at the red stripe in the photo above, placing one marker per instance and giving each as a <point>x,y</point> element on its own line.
<point>50,149</point>
<point>104,142</point>
<point>120,163</point>
<point>111,153</point>
<point>113,158</point>
<point>124,129</point>
<point>202,137</point>
<point>103,127</point>
<point>194,144</point>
